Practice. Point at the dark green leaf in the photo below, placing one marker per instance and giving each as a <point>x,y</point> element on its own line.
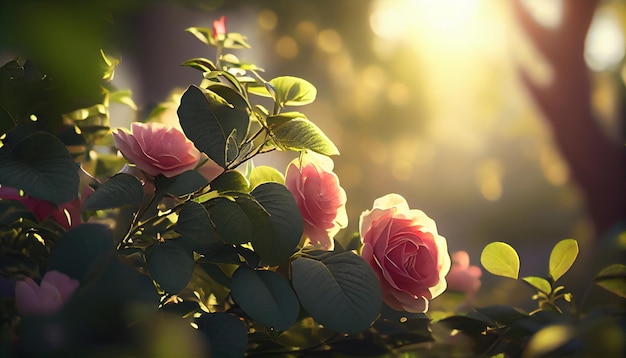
<point>613,278</point>
<point>208,119</point>
<point>266,296</point>
<point>500,259</point>
<point>301,134</point>
<point>286,223</point>
<point>42,167</point>
<point>562,258</point>
<point>340,292</point>
<point>170,264</point>
<point>120,190</point>
<point>79,248</point>
<point>196,227</point>
<point>471,326</point>
<point>230,180</point>
<point>186,183</point>
<point>201,64</point>
<point>227,334</point>
<point>230,221</point>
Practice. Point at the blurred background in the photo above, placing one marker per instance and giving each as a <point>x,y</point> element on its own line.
<point>502,120</point>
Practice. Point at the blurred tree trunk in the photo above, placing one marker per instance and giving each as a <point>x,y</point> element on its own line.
<point>597,163</point>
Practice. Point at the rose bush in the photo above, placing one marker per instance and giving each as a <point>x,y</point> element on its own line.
<point>403,247</point>
<point>157,149</point>
<point>463,277</point>
<point>48,297</point>
<point>320,197</point>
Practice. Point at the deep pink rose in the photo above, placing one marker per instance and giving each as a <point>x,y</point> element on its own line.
<point>48,297</point>
<point>403,247</point>
<point>157,149</point>
<point>320,198</point>
<point>66,214</point>
<point>219,28</point>
<point>462,276</point>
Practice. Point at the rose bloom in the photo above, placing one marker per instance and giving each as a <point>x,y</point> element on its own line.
<point>219,28</point>
<point>66,214</point>
<point>462,276</point>
<point>320,198</point>
<point>157,149</point>
<point>48,297</point>
<point>407,254</point>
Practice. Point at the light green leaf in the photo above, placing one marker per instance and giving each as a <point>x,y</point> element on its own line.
<point>341,291</point>
<point>562,258</point>
<point>41,166</point>
<point>613,278</point>
<point>263,174</point>
<point>500,259</point>
<point>170,264</point>
<point>548,339</point>
<point>201,64</point>
<point>300,134</point>
<point>266,296</point>
<point>287,91</point>
<point>123,97</point>
<point>120,190</point>
<point>203,34</point>
<point>539,283</point>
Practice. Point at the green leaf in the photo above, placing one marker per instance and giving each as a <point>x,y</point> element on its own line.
<point>288,91</point>
<point>562,258</point>
<point>208,120</point>
<point>230,180</point>
<point>613,278</point>
<point>539,283</point>
<point>226,334</point>
<point>266,296</point>
<point>120,190</point>
<point>547,340</point>
<point>500,259</point>
<point>263,174</point>
<point>341,291</point>
<point>201,64</point>
<point>170,264</point>
<point>286,223</point>
<point>187,182</point>
<point>299,133</point>
<point>123,97</point>
<point>196,227</point>
<point>80,247</point>
<point>230,220</point>
<point>203,34</point>
<point>42,167</point>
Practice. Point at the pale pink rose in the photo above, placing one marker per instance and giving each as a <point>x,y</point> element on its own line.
<point>219,28</point>
<point>462,276</point>
<point>157,149</point>
<point>55,289</point>
<point>407,254</point>
<point>66,214</point>
<point>320,198</point>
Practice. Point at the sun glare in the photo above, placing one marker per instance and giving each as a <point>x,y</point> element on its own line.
<point>604,46</point>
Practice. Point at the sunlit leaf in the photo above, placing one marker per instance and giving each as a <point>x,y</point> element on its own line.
<point>562,258</point>
<point>203,34</point>
<point>500,259</point>
<point>170,264</point>
<point>539,283</point>
<point>263,174</point>
<point>548,340</point>
<point>287,91</point>
<point>201,64</point>
<point>266,296</point>
<point>123,97</point>
<point>79,248</point>
<point>120,190</point>
<point>613,278</point>
<point>226,334</point>
<point>341,291</point>
<point>300,134</point>
<point>41,166</point>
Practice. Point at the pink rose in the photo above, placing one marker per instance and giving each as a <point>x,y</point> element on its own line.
<point>157,149</point>
<point>66,214</point>
<point>462,276</point>
<point>403,247</point>
<point>55,289</point>
<point>320,198</point>
<point>219,28</point>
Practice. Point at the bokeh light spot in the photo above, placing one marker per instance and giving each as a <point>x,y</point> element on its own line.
<point>329,41</point>
<point>604,45</point>
<point>267,20</point>
<point>286,47</point>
